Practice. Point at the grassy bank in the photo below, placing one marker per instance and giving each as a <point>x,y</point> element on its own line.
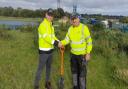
<point>20,19</point>
<point>19,59</point>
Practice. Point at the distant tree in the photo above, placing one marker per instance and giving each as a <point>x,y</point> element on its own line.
<point>98,27</point>
<point>59,13</point>
<point>67,14</point>
<point>124,20</point>
<point>6,11</point>
<point>39,13</point>
<point>1,10</point>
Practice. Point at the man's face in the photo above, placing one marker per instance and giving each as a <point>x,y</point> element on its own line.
<point>49,17</point>
<point>75,22</point>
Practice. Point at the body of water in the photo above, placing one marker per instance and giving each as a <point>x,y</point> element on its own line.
<point>14,24</point>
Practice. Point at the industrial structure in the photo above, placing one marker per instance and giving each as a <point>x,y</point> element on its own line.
<point>58,3</point>
<point>74,6</point>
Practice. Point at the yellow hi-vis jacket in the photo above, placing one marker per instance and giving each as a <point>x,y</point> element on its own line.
<point>46,35</point>
<point>79,39</point>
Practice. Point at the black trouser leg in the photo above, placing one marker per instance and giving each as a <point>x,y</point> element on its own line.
<point>79,71</point>
<point>82,73</point>
<point>74,70</point>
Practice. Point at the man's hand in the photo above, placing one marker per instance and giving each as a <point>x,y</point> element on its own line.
<point>59,44</point>
<point>87,57</point>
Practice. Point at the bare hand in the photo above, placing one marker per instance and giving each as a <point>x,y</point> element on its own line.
<point>87,57</point>
<point>60,45</point>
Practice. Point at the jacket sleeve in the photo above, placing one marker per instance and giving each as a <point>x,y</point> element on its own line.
<point>54,37</point>
<point>43,33</point>
<point>66,40</point>
<point>88,39</point>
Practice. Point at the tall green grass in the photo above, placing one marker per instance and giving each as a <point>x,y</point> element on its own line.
<point>107,68</point>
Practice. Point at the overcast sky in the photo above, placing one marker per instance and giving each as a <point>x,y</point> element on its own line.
<point>110,7</point>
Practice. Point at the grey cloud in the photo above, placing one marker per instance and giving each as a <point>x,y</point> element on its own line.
<point>84,6</point>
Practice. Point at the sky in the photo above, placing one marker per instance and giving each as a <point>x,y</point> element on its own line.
<point>104,7</point>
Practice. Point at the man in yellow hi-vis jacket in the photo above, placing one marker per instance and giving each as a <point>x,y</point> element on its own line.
<point>47,41</point>
<point>80,41</point>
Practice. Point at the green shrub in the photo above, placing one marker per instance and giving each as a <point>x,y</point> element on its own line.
<point>4,34</point>
<point>109,42</point>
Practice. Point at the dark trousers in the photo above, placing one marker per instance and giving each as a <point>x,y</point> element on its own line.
<point>79,71</point>
<point>45,59</point>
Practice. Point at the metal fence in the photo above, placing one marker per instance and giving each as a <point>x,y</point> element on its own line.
<point>121,26</point>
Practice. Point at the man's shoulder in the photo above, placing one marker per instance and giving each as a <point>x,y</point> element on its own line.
<point>85,25</point>
<point>70,27</point>
<point>42,23</point>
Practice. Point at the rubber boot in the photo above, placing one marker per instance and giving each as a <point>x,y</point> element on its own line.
<point>75,87</point>
<point>36,87</point>
<point>82,83</point>
<point>48,85</point>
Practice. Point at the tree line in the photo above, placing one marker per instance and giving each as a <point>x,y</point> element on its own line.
<point>19,12</point>
<point>58,13</point>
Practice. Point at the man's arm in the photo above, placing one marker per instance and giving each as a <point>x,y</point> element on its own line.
<point>44,35</point>
<point>88,40</point>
